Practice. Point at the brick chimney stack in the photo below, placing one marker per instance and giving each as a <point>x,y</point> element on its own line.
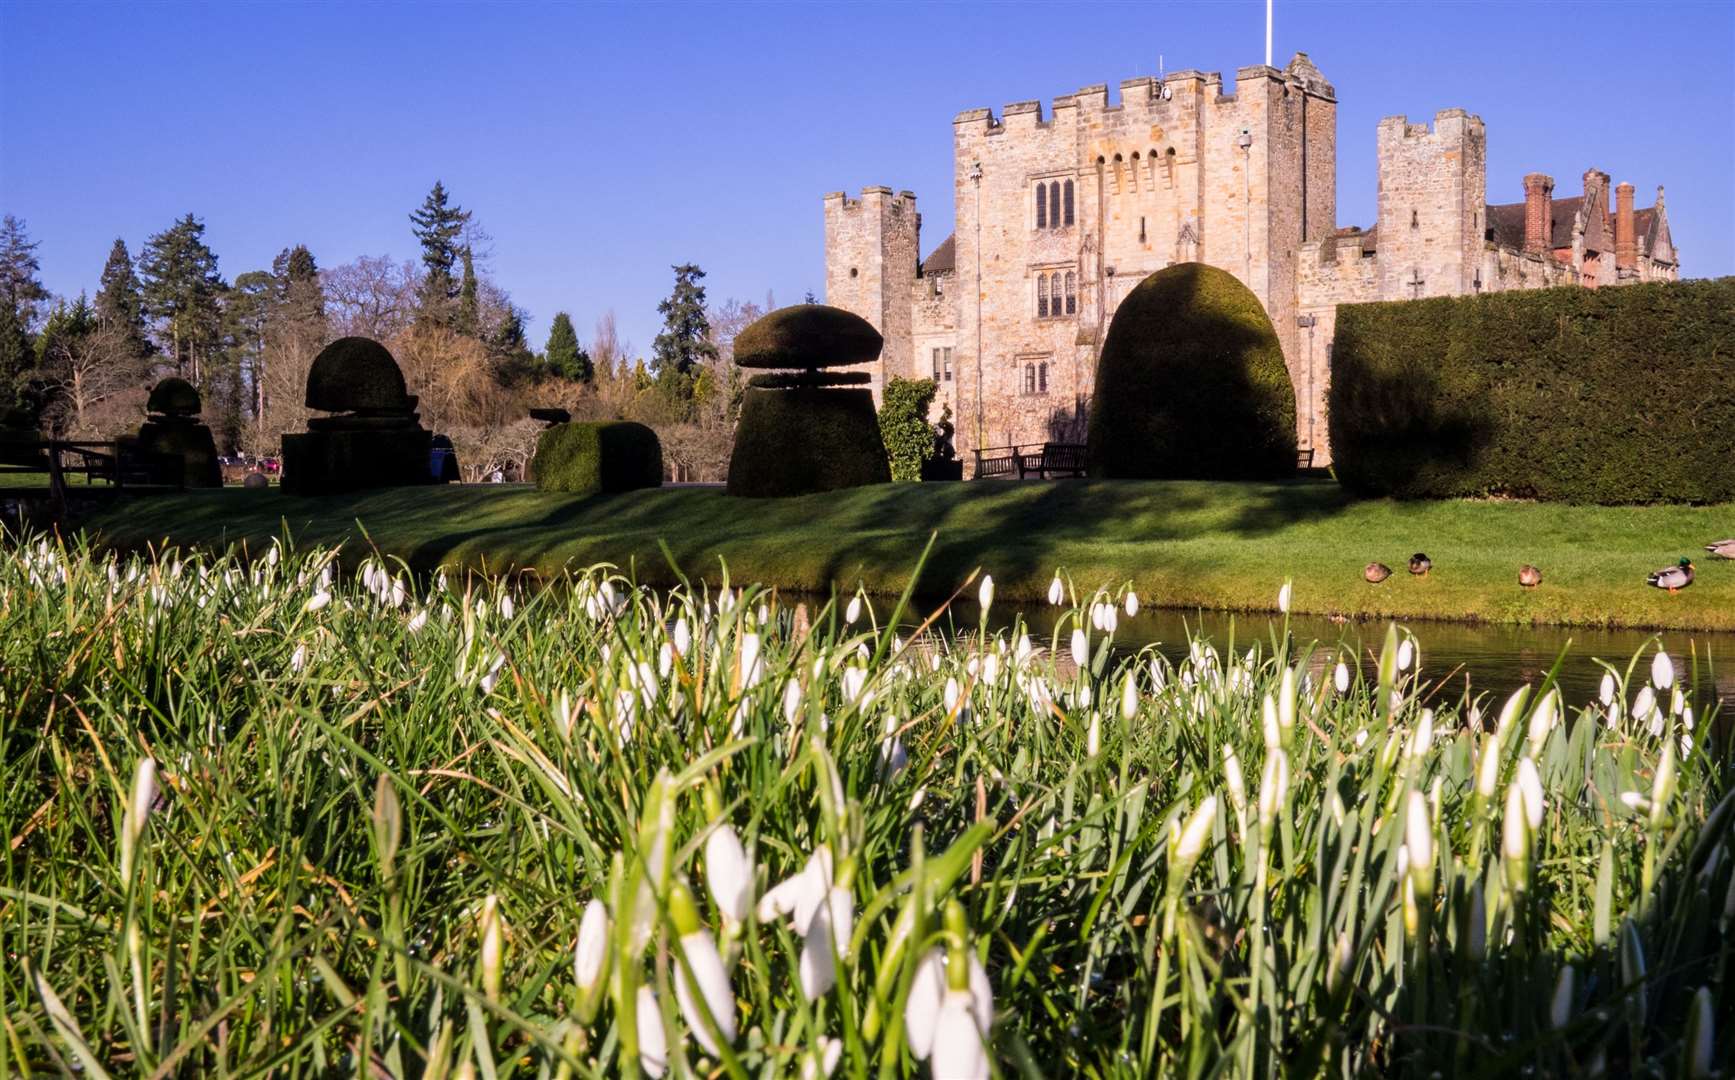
<point>1538,212</point>
<point>1626,243</point>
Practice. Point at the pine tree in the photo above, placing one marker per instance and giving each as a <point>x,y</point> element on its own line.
<point>437,227</point>
<point>183,291</point>
<point>301,292</point>
<point>19,288</point>
<point>564,357</point>
<point>17,355</point>
<point>120,303</point>
<point>685,341</point>
<point>469,310</point>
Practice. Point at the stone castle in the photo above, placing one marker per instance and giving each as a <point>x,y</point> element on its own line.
<point>1059,216</point>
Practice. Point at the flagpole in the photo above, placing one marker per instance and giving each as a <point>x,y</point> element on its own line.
<point>1268,33</point>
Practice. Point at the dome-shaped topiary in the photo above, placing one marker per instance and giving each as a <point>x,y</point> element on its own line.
<point>357,374</point>
<point>1191,384</point>
<point>174,396</point>
<point>795,442</point>
<point>807,336</point>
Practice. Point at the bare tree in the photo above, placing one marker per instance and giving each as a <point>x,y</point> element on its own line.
<point>87,370</point>
<point>371,297</point>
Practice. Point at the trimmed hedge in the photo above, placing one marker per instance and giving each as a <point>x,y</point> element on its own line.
<point>328,462</point>
<point>355,374</point>
<point>795,442</point>
<point>606,456</point>
<point>807,336</point>
<point>904,426</point>
<point>1191,384</point>
<point>1621,395</point>
<point>174,396</point>
<point>191,442</point>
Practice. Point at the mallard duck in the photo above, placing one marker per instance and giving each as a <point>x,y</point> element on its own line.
<point>1420,563</point>
<point>1529,576</point>
<point>1723,549</point>
<point>1376,572</point>
<point>1674,578</point>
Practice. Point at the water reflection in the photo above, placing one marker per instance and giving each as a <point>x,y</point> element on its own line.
<point>1495,659</point>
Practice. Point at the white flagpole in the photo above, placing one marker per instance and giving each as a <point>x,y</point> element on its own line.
<point>1268,33</point>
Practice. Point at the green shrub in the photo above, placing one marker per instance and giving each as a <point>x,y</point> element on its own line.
<point>191,442</point>
<point>807,336</point>
<point>1191,384</point>
<point>794,442</point>
<point>357,374</point>
<point>904,426</point>
<point>329,462</point>
<point>608,456</point>
<point>174,396</point>
<point>1572,395</point>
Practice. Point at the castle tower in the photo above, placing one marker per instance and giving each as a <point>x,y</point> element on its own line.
<point>872,245</point>
<point>1433,202</point>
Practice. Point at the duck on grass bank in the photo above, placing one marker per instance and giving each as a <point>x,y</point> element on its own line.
<point>1529,576</point>
<point>1723,549</point>
<point>1376,572</point>
<point>1420,564</point>
<point>1673,578</point>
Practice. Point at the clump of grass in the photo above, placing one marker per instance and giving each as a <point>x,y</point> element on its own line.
<point>263,817</point>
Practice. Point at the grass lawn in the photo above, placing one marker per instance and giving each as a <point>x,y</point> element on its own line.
<point>1181,544</point>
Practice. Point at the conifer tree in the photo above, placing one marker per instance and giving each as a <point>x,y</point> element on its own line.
<point>182,292</point>
<point>20,289</point>
<point>469,310</point>
<point>438,224</point>
<point>564,357</point>
<point>685,342</point>
<point>17,355</point>
<point>120,303</point>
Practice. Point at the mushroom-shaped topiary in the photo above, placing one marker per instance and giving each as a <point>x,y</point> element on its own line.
<point>1192,384</point>
<point>806,430</point>
<point>174,396</point>
<point>357,374</point>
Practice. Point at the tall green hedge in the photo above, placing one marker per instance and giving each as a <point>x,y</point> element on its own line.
<point>1191,384</point>
<point>1619,395</point>
<point>796,442</point>
<point>590,457</point>
<point>904,426</point>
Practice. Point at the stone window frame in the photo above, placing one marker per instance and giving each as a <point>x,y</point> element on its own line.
<point>942,357</point>
<point>1031,371</point>
<point>1055,201</point>
<point>1056,288</point>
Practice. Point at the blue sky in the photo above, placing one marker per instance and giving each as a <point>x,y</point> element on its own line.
<point>600,143</point>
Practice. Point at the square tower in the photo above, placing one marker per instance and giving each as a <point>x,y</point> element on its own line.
<point>872,245</point>
<point>1433,204</point>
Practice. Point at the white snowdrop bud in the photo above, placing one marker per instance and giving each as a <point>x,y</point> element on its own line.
<point>1273,788</point>
<point>951,694</point>
<point>1488,766</point>
<point>1132,603</point>
<point>1419,839</point>
<point>1406,654</point>
<point>653,1041</point>
<point>1080,648</point>
<point>1530,786</point>
<point>1606,692</point>
<point>1129,697</point>
<point>1232,777</point>
<point>1284,595</point>
<point>683,637</point>
<point>316,601</point>
<point>1056,591</point>
<point>1093,735</point>
<point>1560,1009</point>
<point>1340,677</point>
<point>728,873</point>
<point>791,700</point>
<point>1662,670</point>
<point>853,611</point>
<point>985,593</point>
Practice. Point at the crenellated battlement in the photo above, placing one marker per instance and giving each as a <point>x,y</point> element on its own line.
<point>877,196</point>
<point>1451,123</point>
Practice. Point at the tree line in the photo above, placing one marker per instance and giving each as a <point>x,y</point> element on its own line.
<point>81,367</point>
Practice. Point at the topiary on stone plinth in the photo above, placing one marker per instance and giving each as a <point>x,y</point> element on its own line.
<point>373,441</point>
<point>18,438</point>
<point>170,428</point>
<point>606,457</point>
<point>809,429</point>
<point>1191,384</point>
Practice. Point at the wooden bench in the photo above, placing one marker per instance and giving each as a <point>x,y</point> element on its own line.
<point>1304,458</point>
<point>1044,461</point>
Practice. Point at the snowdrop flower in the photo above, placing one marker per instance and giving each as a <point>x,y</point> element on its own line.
<point>702,977</point>
<point>653,1042</point>
<point>1645,704</point>
<point>298,658</point>
<point>950,697</point>
<point>272,554</point>
<point>1419,839</point>
<point>1340,677</point>
<point>493,933</point>
<point>1129,697</point>
<point>1056,591</point>
<point>1080,648</point>
<point>916,799</point>
<point>1093,735</point>
<point>853,680</point>
<point>1190,843</point>
<point>683,639</point>
<point>418,620</point>
<point>142,798</point>
<point>1284,595</point>
<point>991,669</point>
<point>1662,670</point>
<point>828,933</point>
<point>1606,693</point>
<point>728,873</point>
<point>1560,1009</point>
<point>1509,711</point>
<point>751,668</point>
<point>985,594</point>
<point>893,756</point>
<point>1635,801</point>
<point>1542,720</point>
<point>1268,724</point>
<point>1663,787</point>
<point>1488,767</point>
<point>928,993</point>
<point>1236,782</point>
<point>1406,654</point>
<point>1424,735</point>
<point>801,895</point>
<point>316,601</point>
<point>1701,1040</point>
<point>791,701</point>
<point>1515,838</point>
<point>1132,603</point>
<point>493,674</point>
<point>830,1052</point>
<point>853,611</point>
<point>959,1046</point>
<point>590,959</point>
<point>1530,786</point>
<point>1403,859</point>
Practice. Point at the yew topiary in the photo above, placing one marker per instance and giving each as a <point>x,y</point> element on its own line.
<point>602,457</point>
<point>795,442</point>
<point>1191,384</point>
<point>807,336</point>
<point>174,396</point>
<point>357,374</point>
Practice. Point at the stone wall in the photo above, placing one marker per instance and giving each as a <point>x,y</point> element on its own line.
<point>871,249</point>
<point>1432,205</point>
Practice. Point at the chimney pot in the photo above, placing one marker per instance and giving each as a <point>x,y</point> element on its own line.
<point>1538,212</point>
<point>1626,241</point>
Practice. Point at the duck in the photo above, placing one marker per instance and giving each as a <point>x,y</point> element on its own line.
<point>1723,549</point>
<point>1420,564</point>
<point>1376,572</point>
<point>1673,578</point>
<point>1529,576</point>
